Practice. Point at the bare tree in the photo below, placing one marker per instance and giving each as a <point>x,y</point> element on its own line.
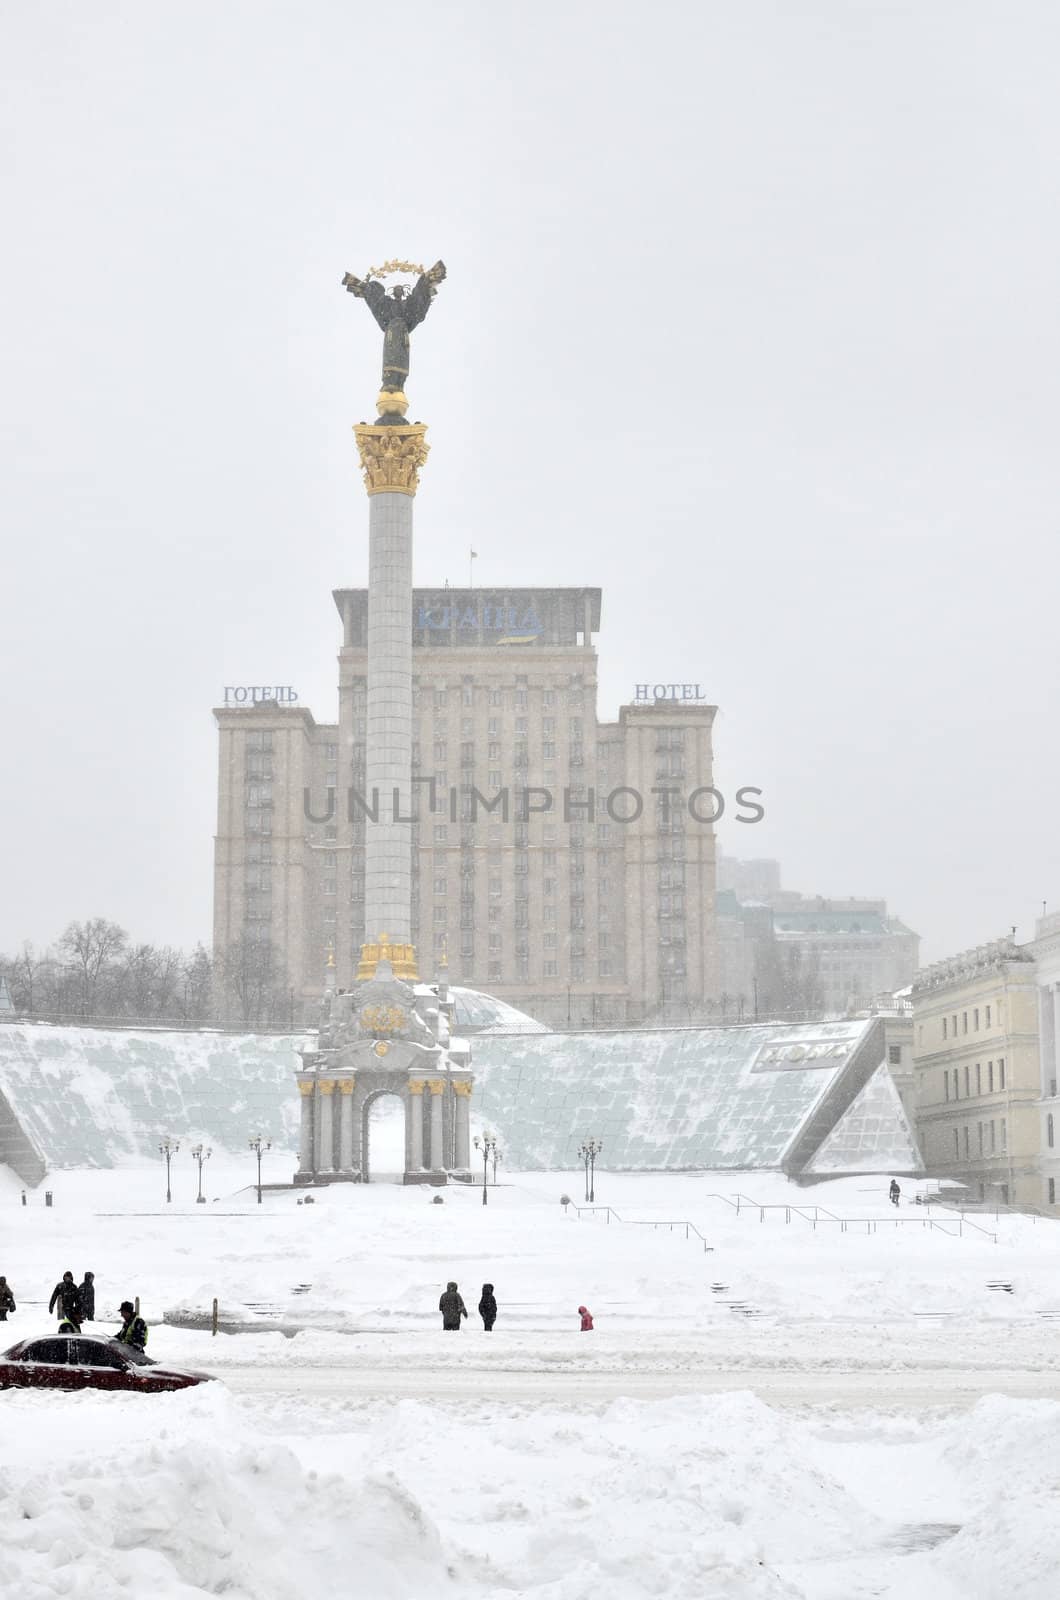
<point>198,987</point>
<point>89,946</point>
<point>251,977</point>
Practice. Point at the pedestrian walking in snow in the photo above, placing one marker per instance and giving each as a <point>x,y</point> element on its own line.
<point>487,1307</point>
<point>133,1330</point>
<point>67,1297</point>
<point>895,1192</point>
<point>87,1291</point>
<point>452,1307</point>
<point>7,1299</point>
<point>587,1319</point>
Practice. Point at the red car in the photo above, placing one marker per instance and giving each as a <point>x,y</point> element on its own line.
<point>69,1361</point>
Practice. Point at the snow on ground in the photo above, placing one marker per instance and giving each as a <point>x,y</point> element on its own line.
<point>546,1473</point>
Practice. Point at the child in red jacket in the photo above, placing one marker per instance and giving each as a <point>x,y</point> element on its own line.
<point>587,1320</point>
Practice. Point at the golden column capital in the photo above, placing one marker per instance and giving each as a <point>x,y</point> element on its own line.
<point>305,1087</point>
<point>327,1085</point>
<point>462,1088</point>
<point>417,1085</point>
<point>391,456</point>
<point>402,958</point>
<point>346,1085</point>
<point>436,1085</point>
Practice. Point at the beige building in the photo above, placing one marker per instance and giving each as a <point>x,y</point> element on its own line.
<point>975,1021</point>
<point>1046,948</point>
<point>562,863</point>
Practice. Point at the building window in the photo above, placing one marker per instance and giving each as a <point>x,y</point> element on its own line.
<point>441,885</point>
<point>956,1085</point>
<point>967,1081</point>
<point>946,1083</point>
<point>549,941</point>
<point>329,885</point>
<point>441,833</point>
<point>987,1023</point>
<point>549,697</point>
<point>1049,1130</point>
<point>990,1077</point>
<point>605,969</point>
<point>993,1137</point>
<point>1001,1076</point>
<point>978,1077</point>
<point>495,971</point>
<point>980,1138</point>
<point>953,1024</point>
<point>967,1141</point>
<point>956,1145</point>
<point>975,1019</point>
<point>1004,1134</point>
<point>944,1028</point>
<point>894,1054</point>
<point>551,969</point>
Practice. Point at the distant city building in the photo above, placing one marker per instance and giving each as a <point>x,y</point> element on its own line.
<point>586,896</point>
<point>975,1020</point>
<point>1046,947</point>
<point>791,954</point>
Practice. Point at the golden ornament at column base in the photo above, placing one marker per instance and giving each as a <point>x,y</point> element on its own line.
<point>391,456</point>
<point>402,958</point>
<point>392,402</point>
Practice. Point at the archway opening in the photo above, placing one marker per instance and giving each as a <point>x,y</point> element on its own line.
<point>384,1138</point>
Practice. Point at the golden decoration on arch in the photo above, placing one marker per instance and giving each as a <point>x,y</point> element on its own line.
<point>380,1021</point>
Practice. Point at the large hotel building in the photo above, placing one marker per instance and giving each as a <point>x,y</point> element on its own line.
<point>565,865</point>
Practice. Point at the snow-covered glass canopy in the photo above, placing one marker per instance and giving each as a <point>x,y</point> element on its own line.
<point>762,1096</point>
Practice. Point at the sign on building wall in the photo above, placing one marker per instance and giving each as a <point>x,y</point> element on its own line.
<point>241,694</point>
<point>666,691</point>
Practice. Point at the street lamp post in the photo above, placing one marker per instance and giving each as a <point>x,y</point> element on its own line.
<point>495,1159</point>
<point>200,1155</point>
<point>259,1146</point>
<point>588,1153</point>
<point>487,1145</point>
<point>168,1148</point>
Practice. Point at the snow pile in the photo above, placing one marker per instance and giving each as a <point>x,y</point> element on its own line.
<point>187,1501</point>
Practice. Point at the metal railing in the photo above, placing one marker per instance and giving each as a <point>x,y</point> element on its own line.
<point>643,1222</point>
<point>743,1202</point>
<point>814,1215</point>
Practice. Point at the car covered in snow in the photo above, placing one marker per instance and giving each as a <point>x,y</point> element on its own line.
<point>82,1361</point>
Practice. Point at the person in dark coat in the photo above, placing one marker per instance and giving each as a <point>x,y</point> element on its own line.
<point>67,1297</point>
<point>487,1307</point>
<point>587,1319</point>
<point>452,1307</point>
<point>133,1330</point>
<point>87,1291</point>
<point>894,1192</point>
<point>7,1299</point>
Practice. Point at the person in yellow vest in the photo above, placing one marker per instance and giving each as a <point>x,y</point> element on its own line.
<point>133,1330</point>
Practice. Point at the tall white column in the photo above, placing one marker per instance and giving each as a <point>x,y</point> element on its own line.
<point>325,1139</point>
<point>462,1154</point>
<point>346,1087</point>
<point>437,1088</point>
<point>388,767</point>
<point>415,1112</point>
<point>305,1132</point>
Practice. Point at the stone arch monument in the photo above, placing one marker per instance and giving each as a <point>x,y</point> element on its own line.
<point>388,1036</point>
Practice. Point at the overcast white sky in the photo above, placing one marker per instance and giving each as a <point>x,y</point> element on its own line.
<point>751,319</point>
